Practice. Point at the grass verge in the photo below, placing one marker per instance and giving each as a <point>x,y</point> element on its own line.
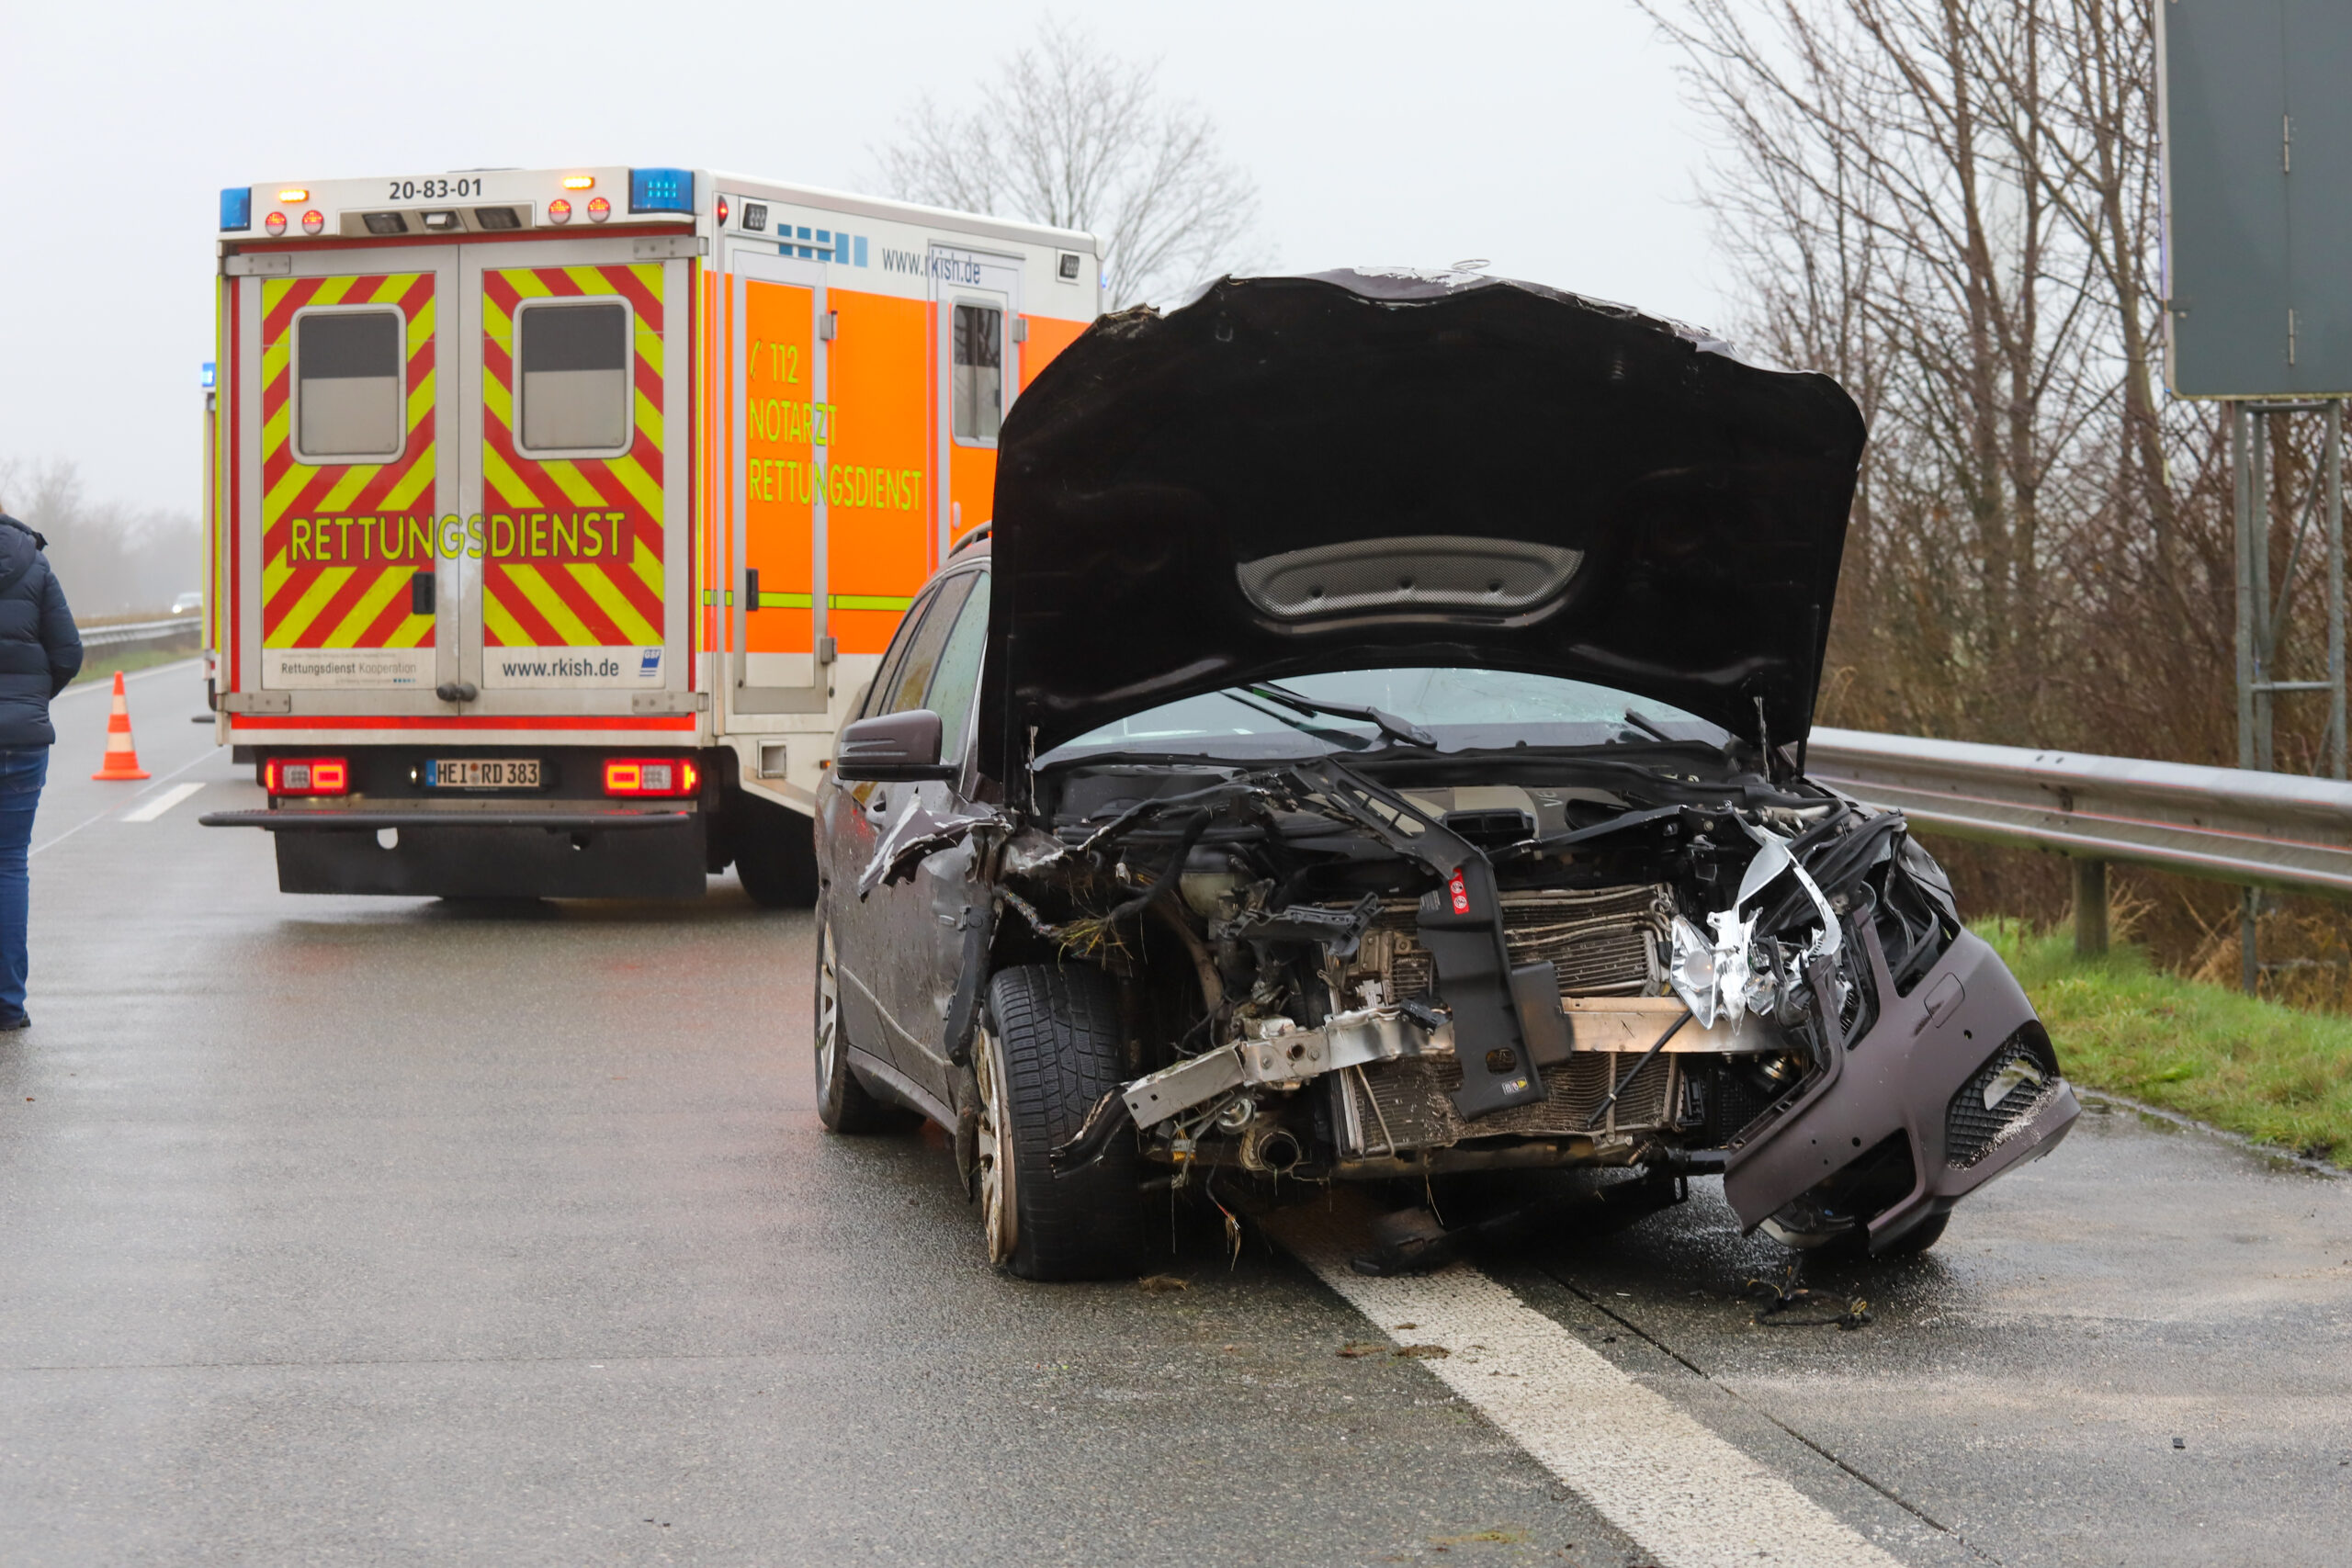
<point>2274,1073</point>
<point>101,663</point>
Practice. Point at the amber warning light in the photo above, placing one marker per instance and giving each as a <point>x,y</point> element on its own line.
<point>306,776</point>
<point>293,193</point>
<point>650,775</point>
<point>579,182</point>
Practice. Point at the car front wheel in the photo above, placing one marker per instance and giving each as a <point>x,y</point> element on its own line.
<point>1050,1053</point>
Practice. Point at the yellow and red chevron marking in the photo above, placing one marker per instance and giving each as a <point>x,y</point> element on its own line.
<point>341,541</point>
<point>574,546</point>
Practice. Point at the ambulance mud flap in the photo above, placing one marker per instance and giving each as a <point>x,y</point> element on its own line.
<point>1959,1069</point>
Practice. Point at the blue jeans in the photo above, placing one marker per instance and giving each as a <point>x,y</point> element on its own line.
<point>23,770</point>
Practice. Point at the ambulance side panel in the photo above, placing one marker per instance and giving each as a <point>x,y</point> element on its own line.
<point>844,468</point>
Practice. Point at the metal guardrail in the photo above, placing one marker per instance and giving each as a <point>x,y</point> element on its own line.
<point>2281,831</point>
<point>2276,830</point>
<point>141,631</point>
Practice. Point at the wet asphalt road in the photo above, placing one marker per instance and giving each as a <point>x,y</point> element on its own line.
<point>341,1231</point>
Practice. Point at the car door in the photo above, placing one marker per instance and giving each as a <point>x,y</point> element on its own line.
<point>924,919</point>
<point>859,816</point>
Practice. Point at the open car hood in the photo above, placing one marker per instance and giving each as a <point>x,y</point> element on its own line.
<point>1293,475</point>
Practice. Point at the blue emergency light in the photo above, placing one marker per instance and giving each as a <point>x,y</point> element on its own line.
<point>661,190</point>
<point>204,380</point>
<point>237,208</point>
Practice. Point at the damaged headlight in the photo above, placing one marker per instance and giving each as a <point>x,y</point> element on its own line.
<point>1732,976</point>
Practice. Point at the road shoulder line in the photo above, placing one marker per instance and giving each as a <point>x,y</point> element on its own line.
<point>1687,1496</point>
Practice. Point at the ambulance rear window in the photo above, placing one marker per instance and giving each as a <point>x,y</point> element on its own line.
<point>348,385</point>
<point>980,372</point>
<point>575,381</point>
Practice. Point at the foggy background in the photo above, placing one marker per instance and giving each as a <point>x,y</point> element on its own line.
<point>1547,138</point>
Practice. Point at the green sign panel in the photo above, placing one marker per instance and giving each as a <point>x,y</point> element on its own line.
<point>2257,105</point>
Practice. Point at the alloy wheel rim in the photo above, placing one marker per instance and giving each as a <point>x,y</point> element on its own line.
<point>999,1215</point>
<point>828,1010</point>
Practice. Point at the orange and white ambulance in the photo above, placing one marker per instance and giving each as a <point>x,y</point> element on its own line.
<point>558,515</point>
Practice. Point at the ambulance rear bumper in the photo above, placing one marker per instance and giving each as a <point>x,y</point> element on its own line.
<point>486,855</point>
<point>551,821</point>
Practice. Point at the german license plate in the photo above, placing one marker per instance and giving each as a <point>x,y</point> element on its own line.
<point>483,772</point>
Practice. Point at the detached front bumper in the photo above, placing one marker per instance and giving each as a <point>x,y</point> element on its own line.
<point>1961,1068</point>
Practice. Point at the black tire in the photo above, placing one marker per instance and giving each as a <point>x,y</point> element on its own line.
<point>776,853</point>
<point>843,1104</point>
<point>1853,1246</point>
<point>1055,1029</point>
<point>1919,1238</point>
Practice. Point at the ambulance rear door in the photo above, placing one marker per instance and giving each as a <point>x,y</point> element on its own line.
<point>341,375</point>
<point>574,573</point>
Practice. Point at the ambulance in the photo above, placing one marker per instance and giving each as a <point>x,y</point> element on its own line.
<point>555,517</point>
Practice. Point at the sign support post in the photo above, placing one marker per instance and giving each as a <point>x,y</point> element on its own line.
<point>2262,616</point>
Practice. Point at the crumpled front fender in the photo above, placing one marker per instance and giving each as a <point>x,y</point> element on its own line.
<point>1905,1076</point>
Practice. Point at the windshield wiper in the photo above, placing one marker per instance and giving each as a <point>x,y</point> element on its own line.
<point>1387,723</point>
<point>1645,726</point>
<point>1336,737</point>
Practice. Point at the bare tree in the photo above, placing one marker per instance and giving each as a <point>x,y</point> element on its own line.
<point>1952,206</point>
<point>112,559</point>
<point>1067,134</point>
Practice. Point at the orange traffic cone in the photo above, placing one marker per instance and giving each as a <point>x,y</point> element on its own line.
<point>122,757</point>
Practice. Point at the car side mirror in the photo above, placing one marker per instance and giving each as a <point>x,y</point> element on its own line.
<point>893,749</point>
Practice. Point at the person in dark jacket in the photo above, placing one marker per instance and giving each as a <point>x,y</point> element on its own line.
<point>39,653</point>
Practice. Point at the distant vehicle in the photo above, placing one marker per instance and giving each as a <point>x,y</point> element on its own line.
<point>559,513</point>
<point>189,603</point>
<point>1273,800</point>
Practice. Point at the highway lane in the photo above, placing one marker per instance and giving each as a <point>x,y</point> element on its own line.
<point>341,1230</point>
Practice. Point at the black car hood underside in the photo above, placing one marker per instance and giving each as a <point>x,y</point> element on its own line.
<point>1290,475</point>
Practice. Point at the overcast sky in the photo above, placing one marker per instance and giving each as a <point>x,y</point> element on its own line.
<point>1546,136</point>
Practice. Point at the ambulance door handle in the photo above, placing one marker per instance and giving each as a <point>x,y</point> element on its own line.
<point>420,594</point>
<point>750,588</point>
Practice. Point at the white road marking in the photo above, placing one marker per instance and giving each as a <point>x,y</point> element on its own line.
<point>1684,1495</point>
<point>163,803</point>
<point>102,816</point>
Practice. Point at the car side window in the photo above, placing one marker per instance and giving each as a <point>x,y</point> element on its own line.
<point>956,685</point>
<point>911,678</point>
<point>886,674</point>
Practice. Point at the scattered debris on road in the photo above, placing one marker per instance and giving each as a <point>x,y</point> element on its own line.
<point>1781,1297</point>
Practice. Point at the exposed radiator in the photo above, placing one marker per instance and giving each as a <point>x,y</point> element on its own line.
<point>1606,943</point>
<point>1407,1104</point>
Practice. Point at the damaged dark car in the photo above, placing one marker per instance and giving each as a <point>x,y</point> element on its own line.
<point>1369,745</point>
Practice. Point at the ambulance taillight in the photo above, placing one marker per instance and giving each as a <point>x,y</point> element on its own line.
<point>559,211</point>
<point>599,209</point>
<point>306,776</point>
<point>636,777</point>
